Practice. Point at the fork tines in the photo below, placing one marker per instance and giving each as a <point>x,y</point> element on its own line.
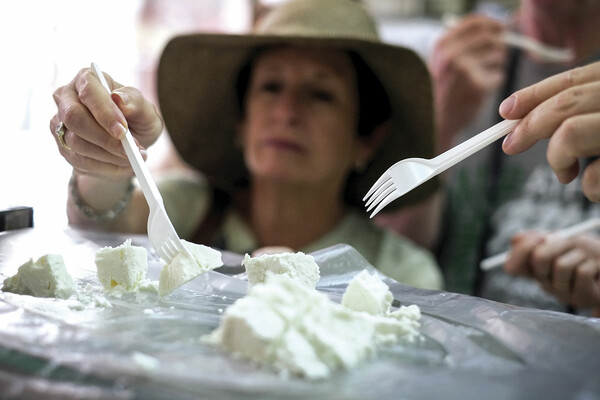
<point>382,193</point>
<point>169,249</point>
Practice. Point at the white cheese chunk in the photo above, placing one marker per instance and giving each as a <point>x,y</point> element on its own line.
<point>298,266</point>
<point>46,277</point>
<point>368,293</point>
<point>183,268</point>
<point>294,329</point>
<point>124,266</point>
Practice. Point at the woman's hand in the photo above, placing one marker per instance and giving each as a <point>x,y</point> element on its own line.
<point>96,120</point>
<point>564,108</point>
<point>567,268</point>
<point>467,64</point>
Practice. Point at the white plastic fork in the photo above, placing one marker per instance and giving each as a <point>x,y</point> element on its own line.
<point>161,233</point>
<point>544,51</point>
<point>407,174</point>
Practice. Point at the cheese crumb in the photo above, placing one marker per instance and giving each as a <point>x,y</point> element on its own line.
<point>124,266</point>
<point>368,293</point>
<point>183,268</point>
<point>46,277</point>
<point>298,266</point>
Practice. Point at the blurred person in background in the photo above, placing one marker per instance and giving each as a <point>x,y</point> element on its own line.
<point>564,109</point>
<point>491,197</point>
<point>287,128</point>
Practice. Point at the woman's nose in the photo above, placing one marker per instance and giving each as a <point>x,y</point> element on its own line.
<point>288,105</point>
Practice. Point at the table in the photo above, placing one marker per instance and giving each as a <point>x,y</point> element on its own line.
<point>147,348</point>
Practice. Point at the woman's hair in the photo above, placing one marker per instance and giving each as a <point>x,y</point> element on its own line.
<point>374,107</point>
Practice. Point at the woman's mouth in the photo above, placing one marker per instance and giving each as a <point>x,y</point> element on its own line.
<point>282,144</point>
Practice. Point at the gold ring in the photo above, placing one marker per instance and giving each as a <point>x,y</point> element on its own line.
<point>60,131</point>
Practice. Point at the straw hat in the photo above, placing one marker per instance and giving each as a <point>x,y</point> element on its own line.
<point>197,75</point>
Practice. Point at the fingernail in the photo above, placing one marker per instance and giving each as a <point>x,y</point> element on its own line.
<point>507,105</point>
<point>123,97</point>
<point>118,130</point>
<point>144,154</point>
<point>507,140</point>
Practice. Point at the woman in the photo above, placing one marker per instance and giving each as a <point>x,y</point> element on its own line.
<point>289,127</point>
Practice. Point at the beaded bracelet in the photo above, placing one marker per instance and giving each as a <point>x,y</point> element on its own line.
<point>100,215</point>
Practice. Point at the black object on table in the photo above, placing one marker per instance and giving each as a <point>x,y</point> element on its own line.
<point>16,218</point>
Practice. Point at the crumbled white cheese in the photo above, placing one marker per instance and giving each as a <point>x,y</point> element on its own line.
<point>368,293</point>
<point>124,266</point>
<point>145,361</point>
<point>295,329</point>
<point>298,266</point>
<point>408,315</point>
<point>46,277</point>
<point>183,268</point>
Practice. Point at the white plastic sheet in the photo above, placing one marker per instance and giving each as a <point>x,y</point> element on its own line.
<point>146,348</point>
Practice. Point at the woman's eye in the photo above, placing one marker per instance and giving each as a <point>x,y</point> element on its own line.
<point>323,95</point>
<point>271,87</point>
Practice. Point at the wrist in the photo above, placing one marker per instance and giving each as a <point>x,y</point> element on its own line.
<point>111,206</point>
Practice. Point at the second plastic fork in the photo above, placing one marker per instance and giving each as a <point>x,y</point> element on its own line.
<point>161,232</point>
<point>407,174</point>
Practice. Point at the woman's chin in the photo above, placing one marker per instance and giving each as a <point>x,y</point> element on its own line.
<point>281,176</point>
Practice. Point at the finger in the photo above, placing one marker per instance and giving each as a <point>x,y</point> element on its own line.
<point>88,158</point>
<point>456,47</point>
<point>482,43</point>
<point>588,243</point>
<point>522,247</point>
<point>590,181</point>
<point>586,285</point>
<point>495,58</point>
<point>475,24</point>
<point>489,70</point>
<point>473,32</point>
<point>563,270</point>
<point>553,114</point>
<point>79,121</point>
<point>78,145</point>
<point>89,166</point>
<point>523,101</point>
<point>576,137</point>
<point>543,256</point>
<point>83,148</point>
<point>143,118</point>
<point>99,102</point>
<point>54,124</point>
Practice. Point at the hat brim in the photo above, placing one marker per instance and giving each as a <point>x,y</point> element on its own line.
<point>197,97</point>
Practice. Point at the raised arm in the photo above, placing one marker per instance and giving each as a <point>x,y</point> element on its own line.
<point>87,127</point>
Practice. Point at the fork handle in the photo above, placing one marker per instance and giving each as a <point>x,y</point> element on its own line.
<point>142,172</point>
<point>473,145</point>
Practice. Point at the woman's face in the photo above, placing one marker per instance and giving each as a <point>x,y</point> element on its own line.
<point>301,116</point>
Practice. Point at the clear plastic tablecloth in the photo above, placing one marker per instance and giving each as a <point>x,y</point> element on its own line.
<point>144,347</point>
